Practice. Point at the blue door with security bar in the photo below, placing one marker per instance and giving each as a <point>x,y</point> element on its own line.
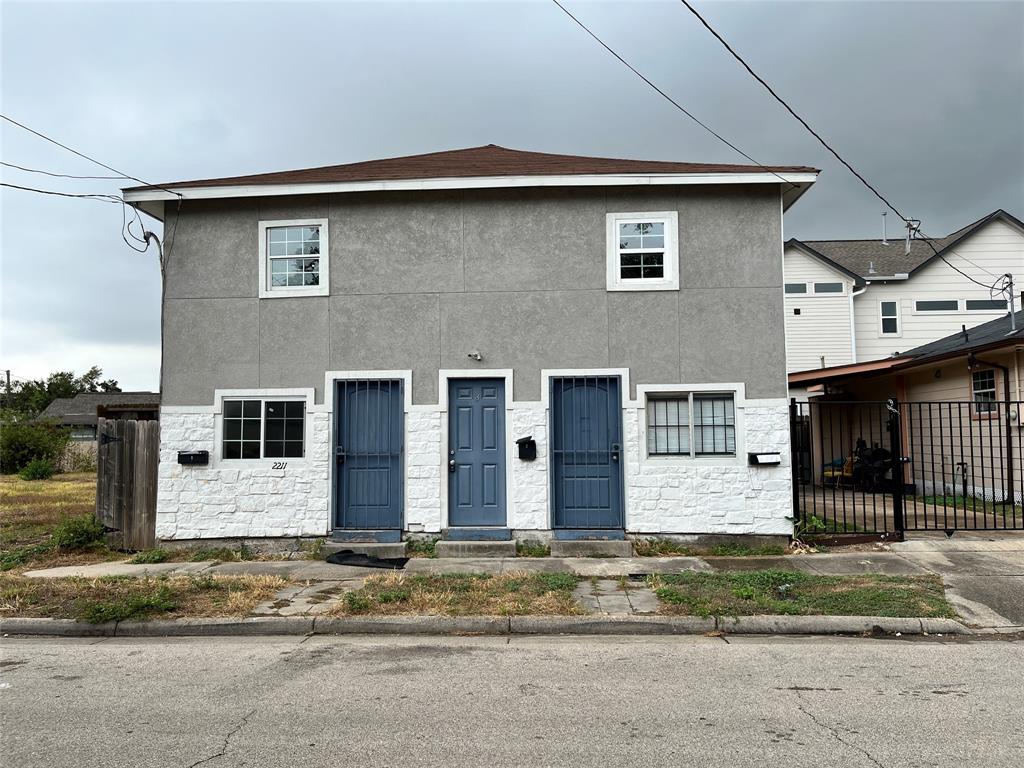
<point>476,452</point>
<point>368,454</point>
<point>586,452</point>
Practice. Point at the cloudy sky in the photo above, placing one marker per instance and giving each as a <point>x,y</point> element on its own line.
<point>926,99</point>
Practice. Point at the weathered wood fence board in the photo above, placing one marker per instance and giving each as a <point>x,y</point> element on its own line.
<point>127,457</point>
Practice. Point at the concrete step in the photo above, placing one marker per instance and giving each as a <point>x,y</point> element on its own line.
<point>591,548</point>
<point>446,548</point>
<point>375,549</point>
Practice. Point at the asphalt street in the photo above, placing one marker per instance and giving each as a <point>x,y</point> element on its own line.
<point>538,701</point>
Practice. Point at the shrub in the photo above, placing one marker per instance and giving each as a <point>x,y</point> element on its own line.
<point>150,556</point>
<point>23,441</point>
<point>37,469</point>
<point>77,533</point>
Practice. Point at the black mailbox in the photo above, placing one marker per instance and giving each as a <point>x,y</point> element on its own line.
<point>527,448</point>
<point>194,458</point>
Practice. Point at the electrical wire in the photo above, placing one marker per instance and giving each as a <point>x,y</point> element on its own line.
<point>829,147</point>
<point>59,175</point>
<point>668,98</point>
<point>86,157</point>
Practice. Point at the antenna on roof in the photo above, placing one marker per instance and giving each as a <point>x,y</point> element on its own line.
<point>871,264</point>
<point>912,226</point>
<point>963,330</point>
<point>884,240</point>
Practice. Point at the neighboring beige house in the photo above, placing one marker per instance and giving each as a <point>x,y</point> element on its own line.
<point>851,301</point>
<point>961,401</point>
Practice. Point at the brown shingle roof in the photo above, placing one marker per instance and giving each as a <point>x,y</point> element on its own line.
<point>81,409</point>
<point>487,161</point>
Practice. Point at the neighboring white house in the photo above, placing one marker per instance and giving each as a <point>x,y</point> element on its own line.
<point>851,301</point>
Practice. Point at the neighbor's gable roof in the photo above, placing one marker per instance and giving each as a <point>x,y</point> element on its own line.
<point>81,409</point>
<point>858,256</point>
<point>479,167</point>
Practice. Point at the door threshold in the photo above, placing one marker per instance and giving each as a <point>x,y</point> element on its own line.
<point>477,534</point>
<point>367,536</point>
<point>589,534</point>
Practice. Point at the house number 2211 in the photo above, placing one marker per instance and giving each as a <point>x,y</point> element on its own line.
<point>279,465</point>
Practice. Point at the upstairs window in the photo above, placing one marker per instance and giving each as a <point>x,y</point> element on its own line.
<point>889,314</point>
<point>691,425</point>
<point>643,253</point>
<point>941,305</point>
<point>828,287</point>
<point>986,305</point>
<point>983,390</point>
<point>796,287</point>
<point>293,258</point>
<point>263,429</point>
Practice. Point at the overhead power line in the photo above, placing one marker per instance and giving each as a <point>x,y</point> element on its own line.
<point>58,175</point>
<point>829,147</point>
<point>665,96</point>
<point>86,157</point>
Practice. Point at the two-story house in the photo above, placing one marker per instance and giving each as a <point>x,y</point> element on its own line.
<point>482,342</point>
<point>852,301</point>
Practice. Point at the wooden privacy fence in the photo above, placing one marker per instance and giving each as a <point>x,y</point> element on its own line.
<point>128,452</point>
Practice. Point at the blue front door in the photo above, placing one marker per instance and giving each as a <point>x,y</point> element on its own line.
<point>368,452</point>
<point>476,452</point>
<point>586,452</point>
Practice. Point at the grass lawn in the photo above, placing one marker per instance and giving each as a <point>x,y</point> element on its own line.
<point>795,593</point>
<point>969,503</point>
<point>511,594</point>
<point>30,512</point>
<point>120,598</point>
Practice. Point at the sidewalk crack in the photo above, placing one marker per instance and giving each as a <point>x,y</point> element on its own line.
<point>836,735</point>
<point>227,740</point>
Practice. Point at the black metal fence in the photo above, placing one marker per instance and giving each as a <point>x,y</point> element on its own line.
<point>888,467</point>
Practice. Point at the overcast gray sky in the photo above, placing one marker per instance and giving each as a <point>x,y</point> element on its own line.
<point>926,99</point>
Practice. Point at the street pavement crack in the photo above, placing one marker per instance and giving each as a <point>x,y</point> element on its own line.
<point>227,740</point>
<point>837,736</point>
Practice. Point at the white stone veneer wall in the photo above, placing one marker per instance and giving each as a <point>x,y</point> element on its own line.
<point>253,500</point>
<point>703,497</point>
<point>423,462</point>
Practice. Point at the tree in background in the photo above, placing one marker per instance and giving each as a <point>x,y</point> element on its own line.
<point>29,398</point>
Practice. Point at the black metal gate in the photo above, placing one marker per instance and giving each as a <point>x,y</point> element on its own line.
<point>883,468</point>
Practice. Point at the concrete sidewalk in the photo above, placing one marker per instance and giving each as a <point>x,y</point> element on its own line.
<point>983,574</point>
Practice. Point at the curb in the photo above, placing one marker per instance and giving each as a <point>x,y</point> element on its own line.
<point>490,625</point>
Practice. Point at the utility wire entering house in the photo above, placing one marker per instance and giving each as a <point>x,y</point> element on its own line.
<point>829,147</point>
<point>86,157</point>
<point>59,175</point>
<point>668,98</point>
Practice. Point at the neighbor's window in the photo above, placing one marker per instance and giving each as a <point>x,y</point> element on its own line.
<point>291,257</point>
<point>828,287</point>
<point>642,251</point>
<point>983,387</point>
<point>263,429</point>
<point>986,304</point>
<point>944,305</point>
<point>691,425</point>
<point>889,311</point>
<point>796,287</point>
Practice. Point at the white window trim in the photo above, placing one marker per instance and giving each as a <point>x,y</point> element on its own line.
<point>670,282</point>
<point>738,392</point>
<point>219,462</point>
<point>899,319</point>
<point>961,308</point>
<point>323,289</point>
<point>987,413</point>
<point>788,295</point>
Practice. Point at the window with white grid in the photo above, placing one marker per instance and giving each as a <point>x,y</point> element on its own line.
<point>694,424</point>
<point>293,258</point>
<point>983,387</point>
<point>642,251</point>
<point>263,429</point>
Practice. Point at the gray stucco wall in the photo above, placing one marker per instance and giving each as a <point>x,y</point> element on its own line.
<point>420,279</point>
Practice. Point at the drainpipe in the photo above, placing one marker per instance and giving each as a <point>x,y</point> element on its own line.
<point>973,362</point>
<point>853,326</point>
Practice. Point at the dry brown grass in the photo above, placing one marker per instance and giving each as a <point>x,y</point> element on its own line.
<point>121,598</point>
<point>29,509</point>
<point>511,594</point>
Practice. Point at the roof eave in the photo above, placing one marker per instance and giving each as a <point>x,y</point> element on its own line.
<point>799,182</point>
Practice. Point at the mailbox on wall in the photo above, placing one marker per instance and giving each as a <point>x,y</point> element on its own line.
<point>764,459</point>
<point>527,448</point>
<point>194,458</point>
